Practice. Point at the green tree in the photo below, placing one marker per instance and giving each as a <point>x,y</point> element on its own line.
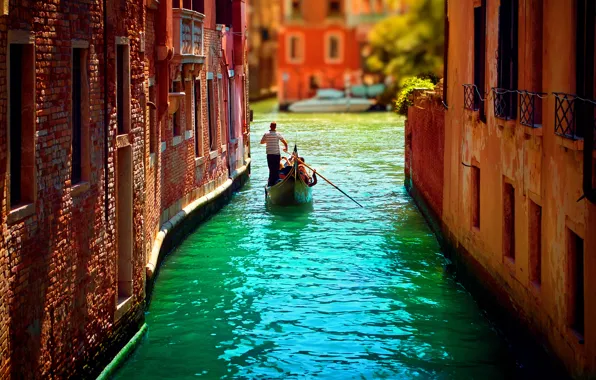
<point>410,44</point>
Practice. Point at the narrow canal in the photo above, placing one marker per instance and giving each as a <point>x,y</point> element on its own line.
<point>330,291</point>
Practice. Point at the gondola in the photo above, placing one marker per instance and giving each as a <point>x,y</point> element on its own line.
<point>292,190</point>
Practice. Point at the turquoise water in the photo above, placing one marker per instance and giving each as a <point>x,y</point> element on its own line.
<point>328,290</point>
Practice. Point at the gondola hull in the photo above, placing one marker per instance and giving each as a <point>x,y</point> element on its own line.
<point>292,190</point>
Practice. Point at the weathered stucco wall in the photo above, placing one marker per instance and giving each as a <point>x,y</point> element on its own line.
<point>543,170</point>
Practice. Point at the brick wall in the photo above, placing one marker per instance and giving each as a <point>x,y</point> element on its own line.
<point>57,264</point>
<point>425,146</point>
<point>59,260</point>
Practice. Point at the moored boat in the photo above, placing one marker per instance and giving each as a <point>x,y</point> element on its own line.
<point>329,100</point>
<point>292,190</point>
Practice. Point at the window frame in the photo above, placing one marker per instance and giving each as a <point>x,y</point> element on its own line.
<point>338,36</point>
<point>28,191</point>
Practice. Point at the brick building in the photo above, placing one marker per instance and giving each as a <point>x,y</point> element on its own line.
<point>513,195</point>
<point>116,116</point>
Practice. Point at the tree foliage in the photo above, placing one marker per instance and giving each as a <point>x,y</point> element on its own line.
<point>403,98</point>
<point>410,44</point>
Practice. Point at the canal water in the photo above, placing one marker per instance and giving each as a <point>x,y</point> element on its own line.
<point>330,290</point>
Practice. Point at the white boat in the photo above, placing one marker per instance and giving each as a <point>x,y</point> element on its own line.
<point>329,100</point>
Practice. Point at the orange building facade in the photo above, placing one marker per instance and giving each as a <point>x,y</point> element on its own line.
<point>316,49</point>
<point>517,206</point>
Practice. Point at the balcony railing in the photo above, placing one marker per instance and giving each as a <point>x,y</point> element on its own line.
<point>530,108</point>
<point>573,115</point>
<point>505,103</point>
<point>472,97</point>
<point>188,35</point>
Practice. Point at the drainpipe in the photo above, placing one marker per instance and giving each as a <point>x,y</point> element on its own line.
<point>106,119</point>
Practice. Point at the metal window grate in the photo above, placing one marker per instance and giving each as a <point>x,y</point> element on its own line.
<point>504,103</point>
<point>528,107</point>
<point>565,115</point>
<point>469,94</point>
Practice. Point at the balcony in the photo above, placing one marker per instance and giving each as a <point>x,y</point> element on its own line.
<point>188,36</point>
<point>472,97</point>
<point>530,108</point>
<point>573,116</point>
<point>505,103</point>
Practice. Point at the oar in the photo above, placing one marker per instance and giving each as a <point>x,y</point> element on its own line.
<point>329,182</point>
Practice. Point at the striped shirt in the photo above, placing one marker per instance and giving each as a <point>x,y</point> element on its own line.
<point>272,139</point>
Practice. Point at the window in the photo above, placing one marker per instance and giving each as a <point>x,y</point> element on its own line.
<point>480,56</point>
<point>231,108</point>
<point>80,105</point>
<point>198,121</point>
<point>535,242</point>
<point>294,49</point>
<point>123,88</point>
<point>296,10</point>
<point>222,110</point>
<point>198,5</point>
<point>334,8</point>
<point>536,49</point>
<point>176,115</point>
<point>211,116</point>
<point>223,12</point>
<point>575,283</point>
<point>475,188</point>
<point>21,156</point>
<point>125,222</point>
<point>333,52</point>
<point>152,122</point>
<point>509,221</point>
<point>586,11</point>
<point>507,61</point>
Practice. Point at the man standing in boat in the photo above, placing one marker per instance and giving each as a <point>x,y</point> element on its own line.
<point>272,139</point>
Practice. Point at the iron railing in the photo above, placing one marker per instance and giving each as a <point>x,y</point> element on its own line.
<point>504,102</point>
<point>573,115</point>
<point>470,97</point>
<point>565,124</point>
<point>530,111</point>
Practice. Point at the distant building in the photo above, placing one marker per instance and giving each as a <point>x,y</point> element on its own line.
<point>506,162</point>
<point>113,119</point>
<point>323,44</point>
<point>263,28</point>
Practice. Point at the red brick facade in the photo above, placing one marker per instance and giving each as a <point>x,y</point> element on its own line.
<point>65,300</point>
<point>425,146</point>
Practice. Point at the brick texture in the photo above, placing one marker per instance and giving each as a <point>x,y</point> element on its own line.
<point>59,265</point>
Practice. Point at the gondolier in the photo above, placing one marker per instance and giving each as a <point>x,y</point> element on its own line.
<point>272,139</point>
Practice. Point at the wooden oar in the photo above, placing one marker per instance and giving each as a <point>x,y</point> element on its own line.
<point>329,182</point>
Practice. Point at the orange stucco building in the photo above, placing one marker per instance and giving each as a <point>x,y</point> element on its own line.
<point>316,48</point>
<point>517,205</point>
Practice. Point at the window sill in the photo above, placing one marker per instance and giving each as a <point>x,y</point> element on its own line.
<point>533,131</point>
<point>200,161</point>
<point>79,188</point>
<point>176,140</point>
<point>509,263</point>
<point>577,145</point>
<point>502,123</point>
<point>224,148</point>
<point>188,134</point>
<point>123,305</point>
<point>213,154</point>
<point>163,146</point>
<point>20,213</point>
<point>152,159</point>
